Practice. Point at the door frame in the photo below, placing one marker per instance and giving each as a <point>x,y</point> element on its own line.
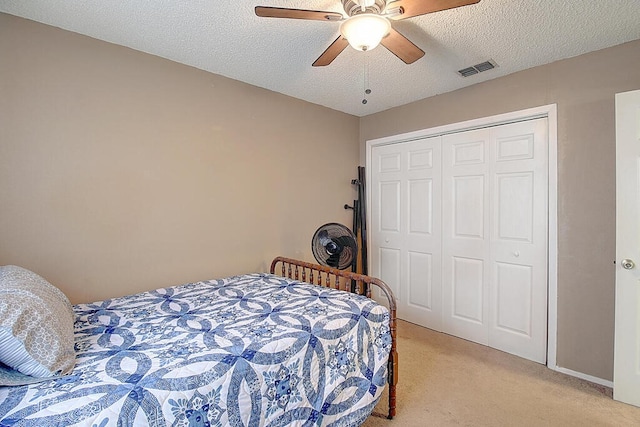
<point>546,111</point>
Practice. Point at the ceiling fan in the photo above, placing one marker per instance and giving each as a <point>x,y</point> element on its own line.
<point>367,24</point>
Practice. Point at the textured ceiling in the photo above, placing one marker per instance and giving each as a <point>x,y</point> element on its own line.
<point>225,37</point>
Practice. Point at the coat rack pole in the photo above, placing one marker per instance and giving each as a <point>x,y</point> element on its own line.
<point>363,219</point>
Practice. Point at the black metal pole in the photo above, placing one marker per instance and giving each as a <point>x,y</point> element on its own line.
<point>363,219</point>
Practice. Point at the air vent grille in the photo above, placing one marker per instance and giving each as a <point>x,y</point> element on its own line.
<point>478,68</point>
<point>469,71</point>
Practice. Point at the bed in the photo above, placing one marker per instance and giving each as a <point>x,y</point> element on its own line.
<point>289,347</point>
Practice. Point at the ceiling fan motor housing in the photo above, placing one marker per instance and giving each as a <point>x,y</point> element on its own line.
<point>354,7</point>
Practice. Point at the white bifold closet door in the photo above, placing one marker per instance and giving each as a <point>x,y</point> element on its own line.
<point>462,235</point>
<point>406,238</point>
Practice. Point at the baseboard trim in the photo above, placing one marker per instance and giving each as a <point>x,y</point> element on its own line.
<point>582,376</point>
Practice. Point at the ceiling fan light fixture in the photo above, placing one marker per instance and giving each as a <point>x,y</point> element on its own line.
<point>365,31</point>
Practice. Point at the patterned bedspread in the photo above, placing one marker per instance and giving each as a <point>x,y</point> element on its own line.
<point>248,350</point>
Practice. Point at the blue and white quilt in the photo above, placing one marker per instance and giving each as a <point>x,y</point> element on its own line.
<point>251,350</point>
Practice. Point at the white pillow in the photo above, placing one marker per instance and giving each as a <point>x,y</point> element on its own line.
<point>36,327</point>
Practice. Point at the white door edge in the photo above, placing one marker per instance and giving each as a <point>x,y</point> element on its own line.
<point>551,113</point>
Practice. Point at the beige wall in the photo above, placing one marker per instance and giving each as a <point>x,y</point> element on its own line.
<point>583,89</point>
<point>121,171</point>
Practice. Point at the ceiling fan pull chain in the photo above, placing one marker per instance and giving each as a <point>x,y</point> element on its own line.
<point>365,78</point>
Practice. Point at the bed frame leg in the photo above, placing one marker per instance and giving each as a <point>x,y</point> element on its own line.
<point>393,380</point>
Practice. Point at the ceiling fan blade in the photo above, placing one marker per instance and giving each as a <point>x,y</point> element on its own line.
<point>402,47</point>
<point>278,12</point>
<point>331,52</point>
<point>412,8</point>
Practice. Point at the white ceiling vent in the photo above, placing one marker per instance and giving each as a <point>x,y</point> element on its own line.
<point>478,68</point>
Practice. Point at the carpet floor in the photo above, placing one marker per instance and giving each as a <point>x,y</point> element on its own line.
<point>447,381</point>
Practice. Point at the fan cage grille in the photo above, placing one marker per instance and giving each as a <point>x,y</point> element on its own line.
<point>334,245</point>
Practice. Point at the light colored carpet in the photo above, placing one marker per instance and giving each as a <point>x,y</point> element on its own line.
<point>447,381</point>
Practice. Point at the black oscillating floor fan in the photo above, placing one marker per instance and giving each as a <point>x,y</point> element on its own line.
<point>334,245</point>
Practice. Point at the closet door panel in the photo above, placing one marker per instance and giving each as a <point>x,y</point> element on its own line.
<point>464,236</point>
<point>467,290</point>
<point>518,286</point>
<point>406,223</point>
<point>513,298</point>
<point>420,281</point>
